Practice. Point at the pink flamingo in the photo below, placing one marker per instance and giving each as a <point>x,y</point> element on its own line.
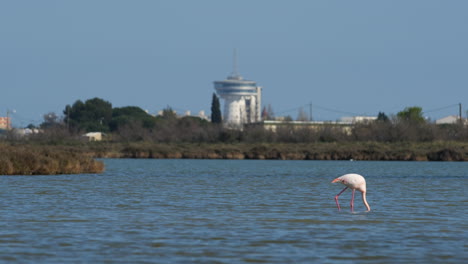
<point>354,182</point>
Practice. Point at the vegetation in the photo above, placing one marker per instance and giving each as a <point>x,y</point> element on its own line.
<point>93,115</point>
<point>411,114</point>
<point>34,160</point>
<point>132,133</point>
<point>429,151</point>
<point>216,117</point>
<point>132,124</point>
<point>268,113</point>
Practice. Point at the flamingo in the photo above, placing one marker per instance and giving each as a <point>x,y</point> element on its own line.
<point>354,182</point>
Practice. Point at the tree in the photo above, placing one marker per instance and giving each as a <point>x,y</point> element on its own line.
<point>129,115</point>
<point>411,125</point>
<point>168,114</point>
<point>411,114</point>
<point>92,115</point>
<point>50,120</point>
<point>268,113</point>
<point>215,110</point>
<point>382,117</point>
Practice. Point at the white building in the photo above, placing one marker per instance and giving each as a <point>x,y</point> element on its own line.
<point>452,119</point>
<point>201,114</point>
<point>358,119</point>
<point>242,100</point>
<point>94,136</point>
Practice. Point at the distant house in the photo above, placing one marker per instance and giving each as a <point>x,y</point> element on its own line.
<point>5,123</point>
<point>452,119</point>
<point>201,114</point>
<point>27,131</point>
<point>357,119</point>
<point>274,125</point>
<point>94,136</point>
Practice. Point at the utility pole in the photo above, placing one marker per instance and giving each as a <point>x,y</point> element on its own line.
<point>460,112</point>
<point>310,112</point>
<point>68,119</point>
<point>8,125</point>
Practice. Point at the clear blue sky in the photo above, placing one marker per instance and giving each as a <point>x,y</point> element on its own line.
<point>359,57</point>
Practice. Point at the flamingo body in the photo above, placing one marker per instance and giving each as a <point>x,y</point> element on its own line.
<point>354,182</point>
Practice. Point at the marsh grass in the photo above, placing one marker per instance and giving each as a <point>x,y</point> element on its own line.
<point>404,151</point>
<point>43,159</point>
<point>46,160</point>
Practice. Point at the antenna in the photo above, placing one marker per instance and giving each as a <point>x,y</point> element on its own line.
<point>235,74</point>
<point>235,62</point>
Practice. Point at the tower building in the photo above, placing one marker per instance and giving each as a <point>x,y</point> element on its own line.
<point>242,100</point>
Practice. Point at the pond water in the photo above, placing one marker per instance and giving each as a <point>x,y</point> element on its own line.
<point>237,211</point>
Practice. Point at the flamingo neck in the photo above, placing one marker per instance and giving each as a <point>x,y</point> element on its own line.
<point>365,201</point>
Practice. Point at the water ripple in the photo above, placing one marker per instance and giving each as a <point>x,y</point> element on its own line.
<point>219,211</point>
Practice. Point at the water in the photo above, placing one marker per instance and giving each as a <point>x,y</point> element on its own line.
<point>236,211</point>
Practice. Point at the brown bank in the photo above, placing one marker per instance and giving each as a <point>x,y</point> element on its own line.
<point>431,151</point>
<point>46,160</point>
<point>32,159</point>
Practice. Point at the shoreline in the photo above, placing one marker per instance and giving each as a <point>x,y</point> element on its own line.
<point>79,157</point>
<point>441,151</point>
<point>44,160</point>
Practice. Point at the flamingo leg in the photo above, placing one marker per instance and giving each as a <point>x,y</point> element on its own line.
<point>336,198</point>
<point>352,201</point>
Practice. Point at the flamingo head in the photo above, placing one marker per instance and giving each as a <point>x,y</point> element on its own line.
<point>338,180</point>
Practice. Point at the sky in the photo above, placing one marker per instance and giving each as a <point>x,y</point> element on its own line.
<point>344,58</point>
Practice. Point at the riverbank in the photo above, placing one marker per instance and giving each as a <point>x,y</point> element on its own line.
<point>77,158</point>
<point>431,151</point>
<point>46,160</point>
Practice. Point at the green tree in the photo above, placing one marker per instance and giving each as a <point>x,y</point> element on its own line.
<point>411,114</point>
<point>382,117</point>
<point>130,115</point>
<point>93,115</point>
<point>411,126</point>
<point>168,114</point>
<point>215,110</point>
<point>50,120</point>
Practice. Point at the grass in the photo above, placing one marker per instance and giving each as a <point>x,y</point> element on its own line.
<point>46,160</point>
<point>406,151</point>
<point>40,159</point>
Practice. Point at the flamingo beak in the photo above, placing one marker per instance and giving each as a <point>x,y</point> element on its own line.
<point>336,180</point>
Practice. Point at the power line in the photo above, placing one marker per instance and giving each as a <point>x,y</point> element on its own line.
<point>441,108</point>
<point>287,111</point>
<point>315,106</point>
<point>336,111</point>
<point>310,105</point>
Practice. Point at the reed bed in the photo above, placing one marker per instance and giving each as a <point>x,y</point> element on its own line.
<point>404,151</point>
<point>37,159</point>
<point>46,160</point>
